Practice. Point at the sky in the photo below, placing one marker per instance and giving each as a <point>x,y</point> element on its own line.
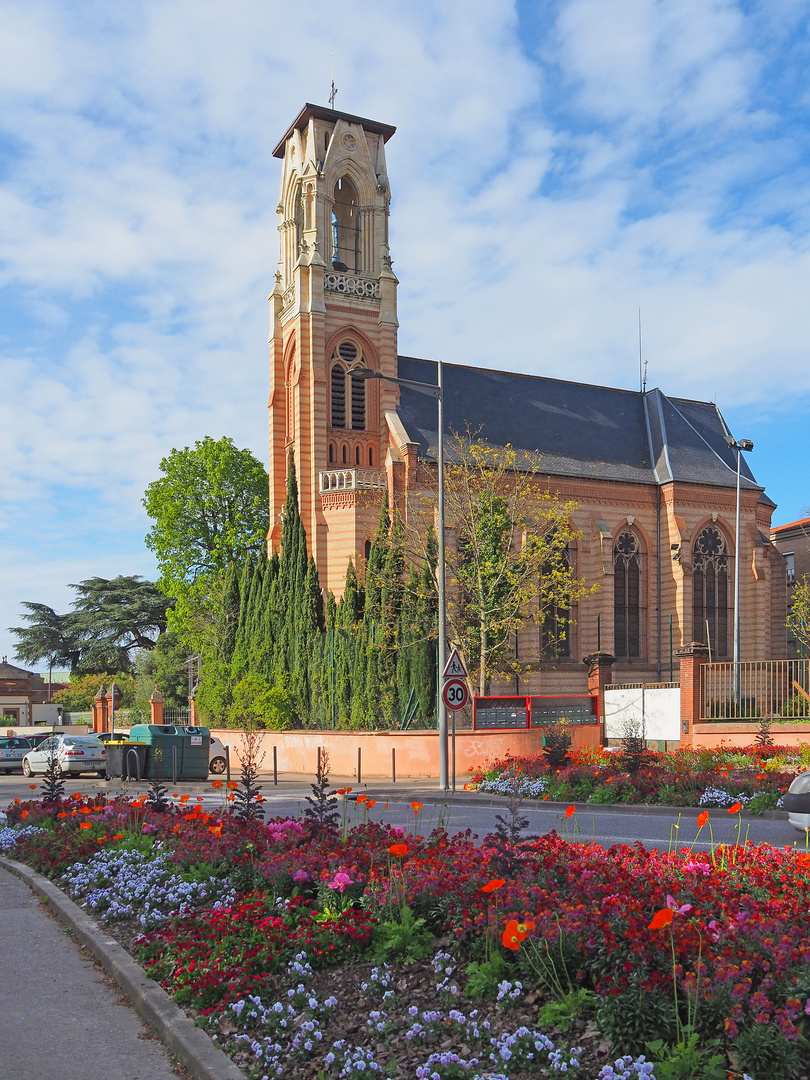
<point>557,166</point>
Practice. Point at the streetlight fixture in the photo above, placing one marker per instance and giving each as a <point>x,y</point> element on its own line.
<point>434,391</point>
<point>739,445</point>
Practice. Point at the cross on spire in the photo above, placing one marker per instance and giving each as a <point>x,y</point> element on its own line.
<point>333,95</point>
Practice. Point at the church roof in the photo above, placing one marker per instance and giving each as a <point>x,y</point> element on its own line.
<point>580,430</point>
<point>320,112</point>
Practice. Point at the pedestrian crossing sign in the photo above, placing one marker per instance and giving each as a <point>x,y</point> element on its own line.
<point>454,668</point>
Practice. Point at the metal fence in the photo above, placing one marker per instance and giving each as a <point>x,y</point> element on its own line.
<point>757,690</point>
<point>180,715</point>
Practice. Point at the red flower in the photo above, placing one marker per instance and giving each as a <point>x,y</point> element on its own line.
<point>416,807</point>
<point>570,811</point>
<point>735,809</point>
<point>703,818</point>
<point>86,825</point>
<point>398,849</point>
<point>661,919</point>
<point>491,886</point>
<point>515,932</point>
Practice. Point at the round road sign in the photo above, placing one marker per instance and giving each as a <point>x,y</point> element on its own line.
<point>455,694</point>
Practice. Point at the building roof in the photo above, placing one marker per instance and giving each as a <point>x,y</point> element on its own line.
<point>803,524</point>
<point>581,430</point>
<point>11,671</point>
<point>320,112</point>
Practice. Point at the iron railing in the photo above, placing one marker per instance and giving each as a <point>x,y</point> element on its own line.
<point>757,690</point>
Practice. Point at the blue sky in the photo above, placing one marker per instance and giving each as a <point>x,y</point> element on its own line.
<point>557,165</point>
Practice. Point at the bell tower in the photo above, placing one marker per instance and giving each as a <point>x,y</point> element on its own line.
<point>333,310</point>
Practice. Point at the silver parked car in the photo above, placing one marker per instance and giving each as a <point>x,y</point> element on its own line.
<point>75,753</point>
<point>13,749</point>
<point>796,801</point>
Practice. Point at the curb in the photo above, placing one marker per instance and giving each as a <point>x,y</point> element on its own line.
<point>486,799</point>
<point>187,1042</point>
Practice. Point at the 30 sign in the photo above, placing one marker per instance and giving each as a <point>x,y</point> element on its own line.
<point>455,694</point>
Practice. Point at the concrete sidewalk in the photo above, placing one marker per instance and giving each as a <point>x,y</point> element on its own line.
<point>62,1018</point>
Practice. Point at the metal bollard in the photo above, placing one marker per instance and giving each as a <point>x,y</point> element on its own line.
<point>393,765</point>
<point>228,763</point>
<point>275,765</point>
<point>359,773</point>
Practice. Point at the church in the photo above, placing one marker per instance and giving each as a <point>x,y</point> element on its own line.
<point>654,477</point>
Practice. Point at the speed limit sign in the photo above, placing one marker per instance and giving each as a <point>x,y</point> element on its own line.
<point>455,694</point>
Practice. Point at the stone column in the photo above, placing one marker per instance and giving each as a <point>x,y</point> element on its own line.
<point>692,658</point>
<point>600,674</point>
<point>100,711</point>
<point>156,707</point>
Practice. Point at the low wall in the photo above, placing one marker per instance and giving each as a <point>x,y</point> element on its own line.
<point>417,752</point>
<point>731,734</point>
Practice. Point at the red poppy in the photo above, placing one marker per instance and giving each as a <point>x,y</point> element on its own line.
<point>370,802</point>
<point>416,807</point>
<point>735,809</point>
<point>703,818</point>
<point>33,787</point>
<point>491,886</point>
<point>85,825</point>
<point>398,849</point>
<point>570,811</point>
<point>217,784</point>
<point>661,919</point>
<point>515,932</point>
<point>361,799</point>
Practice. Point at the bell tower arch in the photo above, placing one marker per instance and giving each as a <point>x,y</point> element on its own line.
<point>333,310</point>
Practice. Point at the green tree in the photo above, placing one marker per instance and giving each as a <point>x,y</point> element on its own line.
<point>798,620</point>
<point>78,697</point>
<point>210,508</point>
<point>508,563</point>
<point>110,620</point>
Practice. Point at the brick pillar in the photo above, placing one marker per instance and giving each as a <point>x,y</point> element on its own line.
<point>156,706</point>
<point>193,719</point>
<point>100,711</point>
<point>600,674</point>
<point>692,658</point>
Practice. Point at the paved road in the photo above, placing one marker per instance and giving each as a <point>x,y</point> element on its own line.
<point>62,1019</point>
<point>652,826</point>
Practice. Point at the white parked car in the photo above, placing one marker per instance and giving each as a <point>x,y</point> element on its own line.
<point>796,801</point>
<point>75,753</point>
<point>13,749</point>
<point>217,762</point>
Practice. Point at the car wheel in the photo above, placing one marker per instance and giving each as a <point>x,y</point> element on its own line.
<point>26,768</point>
<point>218,765</point>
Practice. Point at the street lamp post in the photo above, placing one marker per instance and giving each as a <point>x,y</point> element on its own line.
<point>739,446</point>
<point>435,391</point>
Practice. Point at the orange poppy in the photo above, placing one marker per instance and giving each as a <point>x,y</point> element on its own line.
<point>661,919</point>
<point>361,799</point>
<point>516,932</point>
<point>33,787</point>
<point>735,809</point>
<point>118,836</point>
<point>495,883</point>
<point>703,818</point>
<point>416,807</point>
<point>217,784</point>
<point>86,825</point>
<point>398,849</point>
<point>232,785</point>
<point>371,802</point>
<point>570,811</point>
<point>25,813</point>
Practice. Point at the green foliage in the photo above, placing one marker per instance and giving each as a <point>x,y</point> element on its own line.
<point>322,812</point>
<point>798,620</point>
<point>209,508</point>
<point>626,1019</point>
<point>484,977</point>
<point>762,801</point>
<point>78,697</point>
<point>255,702</point>
<point>405,938</point>
<point>763,1050</point>
<point>53,783</point>
<point>562,1014</point>
<point>247,805</point>
<point>109,621</point>
<point>688,1059</point>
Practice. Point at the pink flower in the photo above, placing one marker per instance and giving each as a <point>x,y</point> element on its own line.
<point>682,909</point>
<point>340,881</point>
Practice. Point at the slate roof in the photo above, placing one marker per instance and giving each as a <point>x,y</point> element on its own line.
<point>579,429</point>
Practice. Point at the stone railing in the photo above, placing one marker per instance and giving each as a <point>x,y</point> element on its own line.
<point>351,480</point>
<point>368,289</point>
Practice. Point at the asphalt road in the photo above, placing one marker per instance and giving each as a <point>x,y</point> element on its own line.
<point>654,827</point>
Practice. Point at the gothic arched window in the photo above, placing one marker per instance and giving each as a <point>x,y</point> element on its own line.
<point>710,590</point>
<point>348,402</point>
<point>555,629</point>
<point>345,231</point>
<point>627,596</point>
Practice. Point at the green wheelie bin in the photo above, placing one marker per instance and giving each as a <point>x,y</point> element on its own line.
<point>171,746</point>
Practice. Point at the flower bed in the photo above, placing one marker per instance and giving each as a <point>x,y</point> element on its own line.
<point>308,952</point>
<point>755,776</point>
